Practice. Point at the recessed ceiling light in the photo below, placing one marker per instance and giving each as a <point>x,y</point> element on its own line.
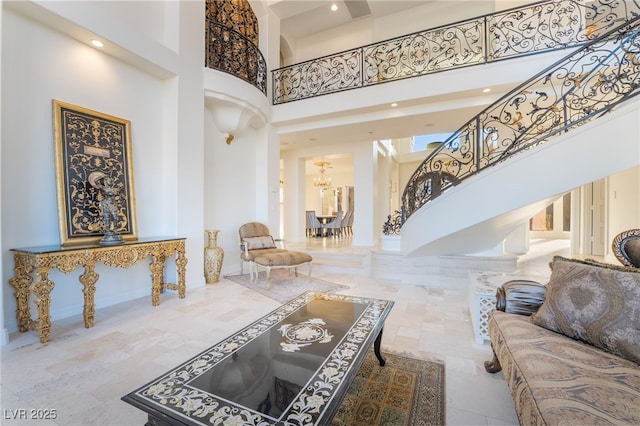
<point>334,7</point>
<point>487,90</point>
<point>97,43</point>
<point>395,104</point>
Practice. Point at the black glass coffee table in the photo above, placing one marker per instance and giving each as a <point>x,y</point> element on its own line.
<point>292,366</point>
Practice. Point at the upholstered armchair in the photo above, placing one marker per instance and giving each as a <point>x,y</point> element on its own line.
<point>256,240</point>
<point>259,249</point>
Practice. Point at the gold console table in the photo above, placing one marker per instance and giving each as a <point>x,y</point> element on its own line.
<point>40,260</point>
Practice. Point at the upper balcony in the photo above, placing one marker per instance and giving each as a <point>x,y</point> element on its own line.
<point>231,52</point>
<point>540,27</point>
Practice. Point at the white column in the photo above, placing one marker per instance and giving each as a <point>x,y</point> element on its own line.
<point>189,144</point>
<point>518,241</point>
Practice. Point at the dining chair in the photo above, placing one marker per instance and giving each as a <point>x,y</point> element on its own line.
<point>350,224</point>
<point>314,226</point>
<point>347,221</point>
<point>333,228</point>
<point>308,222</point>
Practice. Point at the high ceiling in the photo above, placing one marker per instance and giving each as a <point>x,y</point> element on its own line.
<point>300,18</point>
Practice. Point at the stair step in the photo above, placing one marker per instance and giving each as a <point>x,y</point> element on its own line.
<point>340,259</point>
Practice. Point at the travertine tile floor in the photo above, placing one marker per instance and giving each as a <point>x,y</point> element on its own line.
<point>83,373</point>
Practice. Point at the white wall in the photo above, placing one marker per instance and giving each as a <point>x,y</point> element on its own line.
<point>382,189</point>
<point>4,334</point>
<point>166,139</point>
<point>355,34</point>
<point>406,171</point>
<point>154,19</point>
<point>431,15</point>
<point>229,189</point>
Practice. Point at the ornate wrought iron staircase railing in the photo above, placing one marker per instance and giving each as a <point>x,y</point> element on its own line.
<point>229,51</point>
<point>585,85</point>
<point>539,27</point>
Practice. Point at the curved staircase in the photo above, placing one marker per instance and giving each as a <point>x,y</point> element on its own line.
<point>571,124</point>
<point>515,190</point>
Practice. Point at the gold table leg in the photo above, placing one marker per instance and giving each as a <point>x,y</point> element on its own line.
<point>88,280</point>
<point>181,263</point>
<point>157,277</point>
<point>22,282</point>
<point>42,291</point>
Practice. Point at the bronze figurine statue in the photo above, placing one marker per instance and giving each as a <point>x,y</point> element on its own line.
<point>110,192</point>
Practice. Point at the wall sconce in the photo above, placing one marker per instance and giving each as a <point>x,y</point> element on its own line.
<point>231,116</point>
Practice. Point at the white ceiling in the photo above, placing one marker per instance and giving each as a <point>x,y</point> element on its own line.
<point>300,18</point>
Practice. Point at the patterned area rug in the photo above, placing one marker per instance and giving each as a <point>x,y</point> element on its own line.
<point>285,285</point>
<point>405,391</point>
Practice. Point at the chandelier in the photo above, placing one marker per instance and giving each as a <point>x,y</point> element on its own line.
<point>322,180</point>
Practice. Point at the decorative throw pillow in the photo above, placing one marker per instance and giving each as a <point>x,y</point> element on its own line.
<point>594,302</point>
<point>257,243</point>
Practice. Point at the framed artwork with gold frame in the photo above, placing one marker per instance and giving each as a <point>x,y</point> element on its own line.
<point>89,142</point>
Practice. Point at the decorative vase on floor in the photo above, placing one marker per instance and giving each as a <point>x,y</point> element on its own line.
<point>213,256</point>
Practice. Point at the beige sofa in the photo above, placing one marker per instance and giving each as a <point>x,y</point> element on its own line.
<point>570,350</point>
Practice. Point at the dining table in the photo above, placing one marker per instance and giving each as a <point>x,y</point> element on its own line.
<point>325,219</point>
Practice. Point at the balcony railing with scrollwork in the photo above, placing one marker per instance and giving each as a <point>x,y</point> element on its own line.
<point>539,27</point>
<point>581,87</point>
<point>231,52</point>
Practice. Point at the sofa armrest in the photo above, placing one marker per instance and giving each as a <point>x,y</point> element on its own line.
<point>522,297</point>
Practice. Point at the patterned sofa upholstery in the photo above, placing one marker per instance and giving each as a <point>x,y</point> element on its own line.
<point>576,359</point>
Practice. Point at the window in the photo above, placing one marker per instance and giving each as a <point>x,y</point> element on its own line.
<point>423,142</point>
